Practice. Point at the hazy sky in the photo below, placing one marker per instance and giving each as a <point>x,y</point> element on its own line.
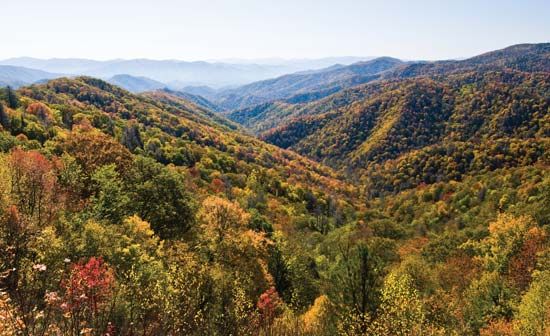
<point>216,29</point>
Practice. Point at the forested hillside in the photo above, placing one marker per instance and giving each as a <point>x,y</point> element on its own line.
<point>304,86</point>
<point>150,214</point>
<point>398,133</point>
<point>135,84</point>
<point>146,193</point>
<point>279,112</point>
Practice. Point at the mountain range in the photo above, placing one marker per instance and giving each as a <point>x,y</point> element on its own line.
<point>178,74</point>
<point>383,197</point>
<point>17,76</point>
<point>421,111</point>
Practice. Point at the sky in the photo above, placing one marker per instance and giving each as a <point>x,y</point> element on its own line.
<point>253,29</point>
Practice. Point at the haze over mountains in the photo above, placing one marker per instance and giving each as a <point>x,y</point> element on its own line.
<point>177,74</point>
<point>16,76</point>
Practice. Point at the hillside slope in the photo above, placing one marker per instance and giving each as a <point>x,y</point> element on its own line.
<point>135,84</point>
<point>323,82</point>
<point>195,98</point>
<point>168,128</point>
<point>16,76</point>
<point>265,116</point>
<point>472,112</point>
<point>148,213</point>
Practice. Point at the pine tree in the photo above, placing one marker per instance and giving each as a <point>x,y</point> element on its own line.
<point>131,137</point>
<point>11,96</point>
<point>4,118</point>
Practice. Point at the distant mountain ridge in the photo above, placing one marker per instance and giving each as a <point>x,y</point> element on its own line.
<point>175,73</point>
<point>328,80</point>
<point>16,76</point>
<point>262,117</point>
<point>136,84</point>
<point>196,99</point>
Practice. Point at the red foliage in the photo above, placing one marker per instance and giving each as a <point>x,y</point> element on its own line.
<point>269,304</point>
<point>217,185</point>
<point>41,111</point>
<point>89,285</point>
<point>522,264</point>
<point>33,182</point>
<point>31,163</point>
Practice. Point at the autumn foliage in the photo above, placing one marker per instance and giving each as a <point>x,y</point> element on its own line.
<point>125,214</point>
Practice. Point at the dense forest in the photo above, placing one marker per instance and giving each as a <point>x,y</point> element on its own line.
<point>421,206</point>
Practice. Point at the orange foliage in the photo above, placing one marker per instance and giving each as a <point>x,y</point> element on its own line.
<point>33,184</point>
<point>498,328</point>
<point>523,263</point>
<point>41,111</point>
<point>95,149</point>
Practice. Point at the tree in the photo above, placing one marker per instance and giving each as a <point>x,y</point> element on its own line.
<point>111,201</point>
<point>359,278</point>
<point>93,149</point>
<point>534,310</point>
<point>159,195</point>
<point>487,299</point>
<point>236,254</point>
<point>32,184</point>
<point>14,240</point>
<point>221,219</point>
<point>11,98</point>
<point>131,137</point>
<point>401,310</point>
<point>279,270</point>
<point>86,292</point>
<point>41,111</point>
<point>354,283</point>
<point>523,263</point>
<point>4,118</point>
<point>506,237</point>
<point>221,222</point>
<point>269,305</point>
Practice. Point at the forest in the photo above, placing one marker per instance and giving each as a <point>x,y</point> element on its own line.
<point>417,204</point>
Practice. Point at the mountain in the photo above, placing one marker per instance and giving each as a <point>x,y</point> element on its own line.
<point>176,73</point>
<point>187,131</point>
<point>521,57</point>
<point>299,63</point>
<point>472,112</point>
<point>195,98</point>
<point>260,116</point>
<point>148,213</point>
<point>16,76</point>
<point>59,65</point>
<point>204,91</point>
<point>135,84</point>
<point>326,81</point>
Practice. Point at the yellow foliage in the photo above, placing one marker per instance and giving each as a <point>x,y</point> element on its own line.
<point>5,182</point>
<point>138,227</point>
<point>316,316</point>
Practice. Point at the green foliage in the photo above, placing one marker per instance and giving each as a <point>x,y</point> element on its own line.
<point>110,201</point>
<point>533,310</point>
<point>126,214</point>
<point>401,308</point>
<point>488,298</point>
<point>10,97</point>
<point>159,195</point>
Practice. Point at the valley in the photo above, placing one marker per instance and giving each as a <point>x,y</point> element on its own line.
<point>380,197</point>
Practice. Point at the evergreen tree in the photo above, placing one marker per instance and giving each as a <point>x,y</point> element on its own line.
<point>131,137</point>
<point>4,118</point>
<point>12,99</point>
